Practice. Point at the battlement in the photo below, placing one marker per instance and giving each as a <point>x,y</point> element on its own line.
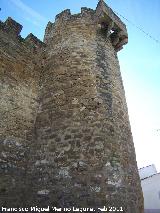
<point>87,11</point>
<point>66,14</point>
<point>12,29</point>
<point>103,18</point>
<point>34,41</point>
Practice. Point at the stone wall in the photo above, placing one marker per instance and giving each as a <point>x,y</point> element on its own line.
<point>19,89</point>
<point>66,139</point>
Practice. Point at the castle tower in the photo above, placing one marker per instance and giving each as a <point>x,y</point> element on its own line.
<point>80,144</point>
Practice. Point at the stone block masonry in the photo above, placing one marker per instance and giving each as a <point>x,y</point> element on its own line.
<point>65,136</point>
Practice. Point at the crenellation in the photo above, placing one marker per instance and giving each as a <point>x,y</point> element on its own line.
<point>64,15</point>
<point>48,32</point>
<point>77,16</point>
<point>11,38</point>
<point>49,27</point>
<point>34,41</point>
<point>103,16</point>
<point>87,11</point>
<point>12,27</point>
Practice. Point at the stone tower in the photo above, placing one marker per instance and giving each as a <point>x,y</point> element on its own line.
<point>65,135</point>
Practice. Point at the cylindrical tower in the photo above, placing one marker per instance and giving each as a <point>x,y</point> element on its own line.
<point>84,153</point>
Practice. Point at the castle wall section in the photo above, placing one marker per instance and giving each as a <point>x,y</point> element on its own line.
<point>19,88</point>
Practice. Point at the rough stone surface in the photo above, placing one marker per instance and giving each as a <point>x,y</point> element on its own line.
<point>65,136</point>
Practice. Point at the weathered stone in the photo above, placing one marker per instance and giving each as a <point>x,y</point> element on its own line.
<point>65,136</point>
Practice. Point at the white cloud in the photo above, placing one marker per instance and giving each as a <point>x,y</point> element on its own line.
<point>36,23</point>
<point>29,11</point>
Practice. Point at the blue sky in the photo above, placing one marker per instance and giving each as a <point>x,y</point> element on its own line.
<point>139,60</point>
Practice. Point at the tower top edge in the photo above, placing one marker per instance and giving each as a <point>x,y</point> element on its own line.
<point>102,13</point>
<point>103,17</point>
